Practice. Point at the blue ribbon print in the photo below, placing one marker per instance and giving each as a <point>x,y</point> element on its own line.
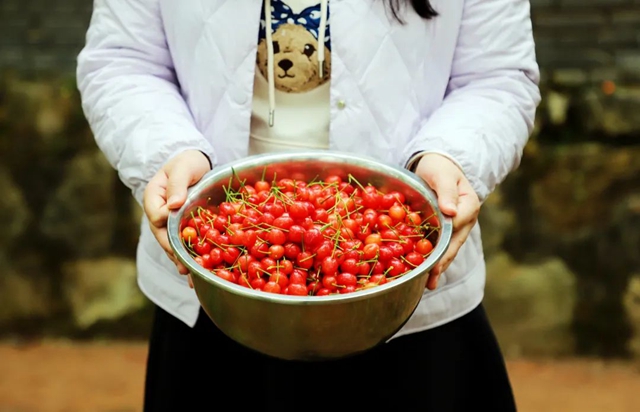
<point>282,14</point>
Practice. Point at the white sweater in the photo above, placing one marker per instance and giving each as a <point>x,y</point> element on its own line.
<point>161,76</point>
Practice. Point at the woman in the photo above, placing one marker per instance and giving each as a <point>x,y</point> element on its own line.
<point>445,88</point>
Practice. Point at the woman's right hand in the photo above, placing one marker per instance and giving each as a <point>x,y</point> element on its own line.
<point>167,191</point>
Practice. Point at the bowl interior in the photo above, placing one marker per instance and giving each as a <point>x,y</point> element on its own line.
<point>308,167</point>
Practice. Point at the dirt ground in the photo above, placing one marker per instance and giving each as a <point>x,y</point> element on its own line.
<point>108,377</point>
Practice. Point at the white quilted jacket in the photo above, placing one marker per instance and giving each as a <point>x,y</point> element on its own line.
<point>161,76</point>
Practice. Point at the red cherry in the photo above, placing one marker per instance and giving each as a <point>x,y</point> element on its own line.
<point>291,250</point>
<point>277,237</point>
<point>370,251</point>
<point>329,282</point>
<point>298,210</point>
<point>329,266</point>
<point>414,259</point>
<point>272,287</point>
<point>276,251</point>
<point>297,289</point>
<point>305,260</point>
<point>396,267</point>
<point>349,266</point>
<point>283,222</point>
<point>230,254</point>
<point>347,289</point>
<point>226,275</point>
<point>312,237</point>
<point>346,279</point>
<point>296,233</point>
<point>202,248</point>
<point>424,247</point>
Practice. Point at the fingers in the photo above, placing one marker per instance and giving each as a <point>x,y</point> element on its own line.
<point>168,190</point>
<point>460,235</point>
<point>180,178</point>
<point>463,223</point>
<point>446,187</point>
<point>155,200</point>
<point>182,269</point>
<point>177,188</point>
<point>432,281</point>
<point>444,183</point>
<point>468,206</point>
<point>163,239</point>
<point>457,240</point>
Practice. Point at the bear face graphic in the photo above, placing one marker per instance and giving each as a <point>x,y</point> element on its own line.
<point>295,52</point>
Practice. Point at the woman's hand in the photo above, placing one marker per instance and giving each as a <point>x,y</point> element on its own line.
<point>456,198</point>
<point>167,190</point>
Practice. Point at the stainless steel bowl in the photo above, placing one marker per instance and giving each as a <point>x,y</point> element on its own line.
<point>313,327</point>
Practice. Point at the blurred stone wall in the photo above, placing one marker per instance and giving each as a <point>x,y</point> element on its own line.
<point>42,35</point>
<point>562,234</point>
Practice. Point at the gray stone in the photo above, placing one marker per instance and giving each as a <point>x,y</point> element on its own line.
<point>10,36</point>
<point>531,306</point>
<point>571,57</point>
<point>44,108</point>
<point>628,62</point>
<point>576,191</point>
<point>570,77</point>
<point>631,302</point>
<point>621,35</point>
<point>626,222</point>
<point>82,211</point>
<point>24,294</point>
<point>65,36</point>
<point>496,221</point>
<point>591,3</point>
<point>582,19</point>
<point>101,289</point>
<point>623,16</point>
<point>614,114</point>
<point>11,6</point>
<point>545,41</point>
<point>601,74</point>
<point>11,55</point>
<point>38,23</point>
<point>557,105</point>
<point>576,40</point>
<point>14,211</point>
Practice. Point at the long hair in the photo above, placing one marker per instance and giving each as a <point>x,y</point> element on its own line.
<point>422,7</point>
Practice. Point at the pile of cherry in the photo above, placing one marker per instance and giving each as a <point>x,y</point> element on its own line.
<point>317,238</point>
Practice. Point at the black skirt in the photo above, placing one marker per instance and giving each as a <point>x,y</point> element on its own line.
<point>454,367</point>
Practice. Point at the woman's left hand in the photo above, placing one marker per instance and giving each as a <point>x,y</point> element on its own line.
<point>456,198</point>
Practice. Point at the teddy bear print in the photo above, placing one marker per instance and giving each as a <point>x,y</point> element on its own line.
<point>295,50</point>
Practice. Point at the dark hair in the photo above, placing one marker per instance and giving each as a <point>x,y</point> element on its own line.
<point>422,7</point>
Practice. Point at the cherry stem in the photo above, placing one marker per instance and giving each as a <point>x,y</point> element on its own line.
<point>352,179</point>
<point>407,262</point>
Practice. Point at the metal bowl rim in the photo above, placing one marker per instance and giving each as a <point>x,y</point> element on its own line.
<point>369,163</point>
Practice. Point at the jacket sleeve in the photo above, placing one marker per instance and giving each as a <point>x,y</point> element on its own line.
<point>488,112</point>
<point>130,94</point>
